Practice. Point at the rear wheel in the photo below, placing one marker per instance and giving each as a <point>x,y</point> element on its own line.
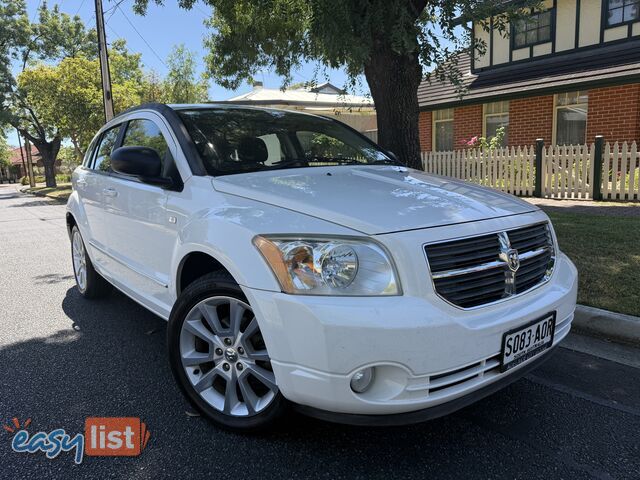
<point>219,358</point>
<point>89,282</point>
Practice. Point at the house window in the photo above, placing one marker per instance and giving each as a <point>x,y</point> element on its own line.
<point>443,130</point>
<point>571,118</point>
<point>532,30</point>
<point>496,115</point>
<point>622,11</point>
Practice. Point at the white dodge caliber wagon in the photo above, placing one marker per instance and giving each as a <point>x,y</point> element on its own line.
<point>301,266</point>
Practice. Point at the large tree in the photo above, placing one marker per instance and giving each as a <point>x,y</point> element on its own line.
<point>67,97</point>
<point>391,42</point>
<point>181,83</point>
<point>53,37</point>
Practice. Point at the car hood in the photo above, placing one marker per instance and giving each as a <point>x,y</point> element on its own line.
<point>373,199</point>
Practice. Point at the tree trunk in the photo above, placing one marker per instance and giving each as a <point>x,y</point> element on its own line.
<point>49,152</point>
<point>393,80</point>
<point>49,173</point>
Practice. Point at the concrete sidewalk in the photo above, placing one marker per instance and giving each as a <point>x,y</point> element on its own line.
<point>605,324</point>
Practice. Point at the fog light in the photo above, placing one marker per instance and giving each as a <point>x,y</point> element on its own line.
<point>362,380</point>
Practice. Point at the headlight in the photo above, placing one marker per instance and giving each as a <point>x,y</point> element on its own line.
<point>335,266</point>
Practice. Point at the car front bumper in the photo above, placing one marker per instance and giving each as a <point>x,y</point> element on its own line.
<point>426,352</point>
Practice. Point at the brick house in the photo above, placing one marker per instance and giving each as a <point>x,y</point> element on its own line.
<point>18,159</point>
<point>571,71</point>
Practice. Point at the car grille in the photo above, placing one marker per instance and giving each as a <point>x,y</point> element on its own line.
<point>481,270</point>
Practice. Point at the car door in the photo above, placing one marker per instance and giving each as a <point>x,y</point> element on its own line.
<point>141,236</point>
<point>90,183</point>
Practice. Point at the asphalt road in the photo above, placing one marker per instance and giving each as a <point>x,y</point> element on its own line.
<point>63,359</point>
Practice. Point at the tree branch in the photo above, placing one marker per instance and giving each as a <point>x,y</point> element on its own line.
<point>38,125</point>
<point>417,6</point>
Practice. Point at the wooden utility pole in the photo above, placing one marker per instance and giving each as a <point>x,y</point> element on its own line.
<point>27,150</point>
<point>24,165</point>
<point>104,62</point>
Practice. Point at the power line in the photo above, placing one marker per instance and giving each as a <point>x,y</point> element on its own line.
<point>140,35</point>
<point>36,12</point>
<point>201,10</point>
<point>80,7</point>
<point>117,35</point>
<point>114,7</point>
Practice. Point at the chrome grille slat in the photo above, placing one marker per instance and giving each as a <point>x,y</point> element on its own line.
<point>465,260</point>
<point>457,287</point>
<point>470,247</point>
<point>474,271</point>
<point>445,281</point>
<point>530,243</point>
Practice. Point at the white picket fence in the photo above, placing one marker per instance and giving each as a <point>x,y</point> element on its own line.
<point>620,172</point>
<point>567,171</point>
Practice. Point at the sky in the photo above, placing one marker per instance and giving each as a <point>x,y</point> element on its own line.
<point>155,34</point>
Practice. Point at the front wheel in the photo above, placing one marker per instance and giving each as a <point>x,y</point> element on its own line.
<point>219,358</point>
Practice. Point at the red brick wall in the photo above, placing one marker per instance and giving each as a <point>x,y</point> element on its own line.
<point>615,113</point>
<point>424,127</point>
<point>467,123</point>
<point>529,119</point>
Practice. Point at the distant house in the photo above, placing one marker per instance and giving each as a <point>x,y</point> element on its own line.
<point>16,158</point>
<point>324,99</point>
<point>567,73</point>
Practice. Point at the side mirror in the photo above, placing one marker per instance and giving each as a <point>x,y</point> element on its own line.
<point>141,162</point>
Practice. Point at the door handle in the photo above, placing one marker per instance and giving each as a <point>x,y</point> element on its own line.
<point>110,192</point>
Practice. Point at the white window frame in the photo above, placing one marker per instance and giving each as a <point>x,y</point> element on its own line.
<point>435,121</point>
<point>556,107</point>
<point>485,115</point>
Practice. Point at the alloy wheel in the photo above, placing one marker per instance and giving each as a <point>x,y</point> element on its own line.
<point>225,358</point>
<point>79,260</point>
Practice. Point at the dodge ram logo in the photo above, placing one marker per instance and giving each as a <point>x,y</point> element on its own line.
<point>513,260</point>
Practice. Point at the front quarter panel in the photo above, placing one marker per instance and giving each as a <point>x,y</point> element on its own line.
<point>223,226</point>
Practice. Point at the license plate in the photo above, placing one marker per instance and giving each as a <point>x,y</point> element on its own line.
<point>523,343</point>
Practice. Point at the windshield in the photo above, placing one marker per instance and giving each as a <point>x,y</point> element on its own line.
<point>245,140</point>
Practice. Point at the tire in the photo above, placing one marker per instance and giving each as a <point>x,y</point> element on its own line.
<point>222,365</point>
<point>90,283</point>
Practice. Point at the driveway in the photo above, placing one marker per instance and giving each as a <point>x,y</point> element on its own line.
<point>63,359</point>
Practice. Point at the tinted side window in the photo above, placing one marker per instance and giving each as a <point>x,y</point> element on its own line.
<point>105,147</point>
<point>145,133</point>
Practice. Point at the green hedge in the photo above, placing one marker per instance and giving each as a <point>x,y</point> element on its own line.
<point>60,178</point>
<point>63,178</point>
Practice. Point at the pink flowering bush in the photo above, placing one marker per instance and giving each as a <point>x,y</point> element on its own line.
<point>484,143</point>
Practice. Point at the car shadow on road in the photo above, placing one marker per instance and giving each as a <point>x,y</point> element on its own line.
<point>37,203</point>
<point>111,361</point>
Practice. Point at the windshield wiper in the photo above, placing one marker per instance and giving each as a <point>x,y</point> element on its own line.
<point>387,161</point>
<point>338,160</point>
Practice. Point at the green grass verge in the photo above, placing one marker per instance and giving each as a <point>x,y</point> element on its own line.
<point>61,192</point>
<point>606,250</point>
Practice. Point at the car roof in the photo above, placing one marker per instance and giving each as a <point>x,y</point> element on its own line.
<point>162,108</point>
